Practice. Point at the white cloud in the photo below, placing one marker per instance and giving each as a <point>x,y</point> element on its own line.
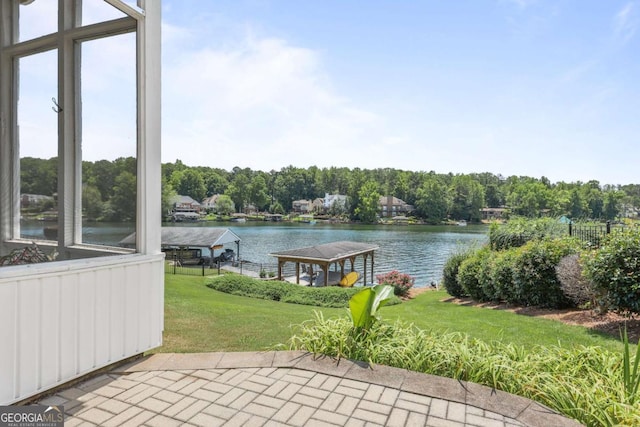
<point>264,104</point>
<point>625,22</point>
<point>522,4</point>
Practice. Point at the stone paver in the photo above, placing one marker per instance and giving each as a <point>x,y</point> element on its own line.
<point>287,389</point>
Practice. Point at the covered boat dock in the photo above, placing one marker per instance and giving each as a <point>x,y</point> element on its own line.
<point>326,254</point>
<point>192,237</point>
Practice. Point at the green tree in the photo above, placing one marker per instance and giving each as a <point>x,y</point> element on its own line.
<point>612,204</point>
<point>433,200</point>
<point>91,202</point>
<point>367,208</point>
<point>293,183</point>
<point>276,208</point>
<point>401,187</point>
<point>103,175</point>
<point>332,180</point>
<point>578,208</point>
<point>238,191</point>
<point>168,195</point>
<point>592,195</point>
<point>123,202</point>
<point>357,181</point>
<point>215,182</point>
<point>467,198</point>
<point>169,168</point>
<point>189,183</point>
<point>560,202</point>
<point>224,205</point>
<point>528,198</point>
<point>493,196</point>
<point>258,194</point>
<point>38,176</point>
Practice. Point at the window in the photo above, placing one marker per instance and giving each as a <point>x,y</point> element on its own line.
<point>71,150</point>
<point>38,148</point>
<point>108,88</point>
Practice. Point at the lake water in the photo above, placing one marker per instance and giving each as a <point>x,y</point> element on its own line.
<point>420,251</point>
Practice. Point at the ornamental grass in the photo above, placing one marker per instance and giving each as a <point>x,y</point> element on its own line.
<point>589,384</point>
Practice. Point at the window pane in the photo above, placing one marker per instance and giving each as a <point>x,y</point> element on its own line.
<point>38,18</point>
<point>94,11</point>
<point>38,145</point>
<point>109,139</point>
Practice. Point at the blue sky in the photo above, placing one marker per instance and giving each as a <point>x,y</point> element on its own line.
<point>515,87</point>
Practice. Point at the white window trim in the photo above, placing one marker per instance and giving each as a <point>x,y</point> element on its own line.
<point>66,40</point>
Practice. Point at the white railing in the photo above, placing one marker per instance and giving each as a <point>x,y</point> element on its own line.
<point>61,320</point>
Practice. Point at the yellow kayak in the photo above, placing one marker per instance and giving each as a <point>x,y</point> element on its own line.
<point>349,279</point>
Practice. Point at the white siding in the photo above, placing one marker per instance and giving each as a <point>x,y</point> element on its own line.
<point>61,320</point>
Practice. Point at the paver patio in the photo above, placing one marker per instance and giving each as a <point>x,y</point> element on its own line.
<point>287,389</point>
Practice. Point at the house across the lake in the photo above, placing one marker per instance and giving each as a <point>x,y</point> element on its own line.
<point>390,206</point>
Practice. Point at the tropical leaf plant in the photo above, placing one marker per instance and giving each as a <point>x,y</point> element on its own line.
<point>364,305</point>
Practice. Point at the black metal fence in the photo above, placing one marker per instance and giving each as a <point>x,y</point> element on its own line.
<point>263,270</point>
<point>248,268</point>
<point>593,234</point>
<point>176,267</point>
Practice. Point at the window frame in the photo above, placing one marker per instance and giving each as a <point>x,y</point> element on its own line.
<point>67,40</point>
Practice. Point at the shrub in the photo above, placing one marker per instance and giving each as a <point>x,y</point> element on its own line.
<point>502,275</point>
<point>472,274</point>
<point>573,283</point>
<point>330,296</point>
<point>485,276</point>
<point>450,274</point>
<point>534,273</point>
<point>401,282</point>
<point>519,231</point>
<point>615,270</point>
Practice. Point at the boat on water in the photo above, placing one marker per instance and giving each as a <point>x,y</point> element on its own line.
<point>462,223</point>
<point>185,216</point>
<point>239,217</point>
<point>307,219</point>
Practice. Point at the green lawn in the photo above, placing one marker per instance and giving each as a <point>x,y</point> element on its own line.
<point>199,319</point>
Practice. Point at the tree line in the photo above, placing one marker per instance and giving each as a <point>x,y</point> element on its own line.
<point>109,190</point>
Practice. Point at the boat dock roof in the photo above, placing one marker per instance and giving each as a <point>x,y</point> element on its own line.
<point>326,254</point>
<point>203,237</point>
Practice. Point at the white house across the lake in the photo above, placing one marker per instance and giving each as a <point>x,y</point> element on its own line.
<point>93,305</point>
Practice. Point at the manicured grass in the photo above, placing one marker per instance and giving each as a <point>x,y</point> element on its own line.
<point>199,319</point>
<point>429,312</point>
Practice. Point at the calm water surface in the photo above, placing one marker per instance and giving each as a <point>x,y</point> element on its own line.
<point>417,250</point>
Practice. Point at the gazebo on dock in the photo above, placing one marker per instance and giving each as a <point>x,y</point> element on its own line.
<point>325,255</point>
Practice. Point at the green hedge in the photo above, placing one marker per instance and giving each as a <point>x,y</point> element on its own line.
<point>534,273</point>
<point>523,275</point>
<point>472,275</point>
<point>518,231</point>
<point>450,274</point>
<point>615,271</point>
<point>330,296</point>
